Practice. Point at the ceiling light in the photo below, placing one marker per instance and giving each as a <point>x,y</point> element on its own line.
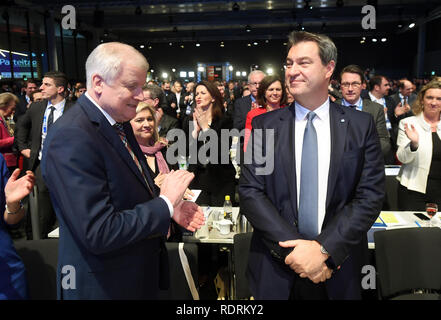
<point>247,28</point>
<point>141,46</point>
<point>412,25</point>
<point>198,44</point>
<point>383,39</point>
<point>374,39</point>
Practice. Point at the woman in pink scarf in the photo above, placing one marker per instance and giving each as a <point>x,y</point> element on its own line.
<point>145,128</point>
<point>146,133</point>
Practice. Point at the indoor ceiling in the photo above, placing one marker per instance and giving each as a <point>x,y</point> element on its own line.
<point>156,21</point>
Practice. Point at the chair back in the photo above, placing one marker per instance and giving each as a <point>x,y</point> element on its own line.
<point>179,286</point>
<point>408,259</point>
<point>242,242</point>
<point>40,258</point>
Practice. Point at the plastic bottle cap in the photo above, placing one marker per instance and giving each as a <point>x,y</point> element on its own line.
<point>227,198</point>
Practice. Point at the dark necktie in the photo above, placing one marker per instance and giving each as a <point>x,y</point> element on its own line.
<point>50,119</point>
<point>308,202</point>
<point>120,130</point>
<point>353,107</point>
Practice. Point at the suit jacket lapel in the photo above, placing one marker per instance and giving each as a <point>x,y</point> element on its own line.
<point>40,117</point>
<point>111,136</point>
<point>286,148</point>
<point>339,125</point>
<point>138,153</point>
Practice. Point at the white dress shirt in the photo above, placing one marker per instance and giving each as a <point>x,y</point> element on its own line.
<point>58,112</point>
<point>112,122</point>
<point>322,127</point>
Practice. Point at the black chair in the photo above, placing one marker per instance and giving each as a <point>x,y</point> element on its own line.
<point>179,288</point>
<point>40,258</point>
<point>409,263</point>
<point>241,251</point>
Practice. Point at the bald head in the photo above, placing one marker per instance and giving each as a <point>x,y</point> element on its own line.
<point>405,87</point>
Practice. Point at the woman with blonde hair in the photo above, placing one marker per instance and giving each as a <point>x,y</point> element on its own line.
<point>154,148</point>
<point>8,102</point>
<point>145,128</point>
<point>419,150</point>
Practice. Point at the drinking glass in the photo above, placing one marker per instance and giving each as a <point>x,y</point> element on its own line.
<point>431,210</point>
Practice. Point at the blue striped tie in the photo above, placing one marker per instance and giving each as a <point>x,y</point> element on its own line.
<point>308,203</point>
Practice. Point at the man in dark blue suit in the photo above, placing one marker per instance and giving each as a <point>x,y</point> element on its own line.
<point>113,219</point>
<point>243,105</point>
<point>312,211</point>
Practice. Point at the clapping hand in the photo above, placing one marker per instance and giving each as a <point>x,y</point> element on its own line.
<point>17,189</point>
<point>201,117</point>
<point>401,109</point>
<point>175,184</point>
<point>189,215</point>
<point>412,134</point>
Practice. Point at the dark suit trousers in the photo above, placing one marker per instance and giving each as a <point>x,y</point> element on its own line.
<point>46,214</point>
<point>305,289</point>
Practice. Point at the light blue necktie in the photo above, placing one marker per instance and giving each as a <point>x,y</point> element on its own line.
<point>308,203</point>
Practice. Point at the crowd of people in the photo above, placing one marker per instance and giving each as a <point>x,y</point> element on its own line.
<point>84,174</point>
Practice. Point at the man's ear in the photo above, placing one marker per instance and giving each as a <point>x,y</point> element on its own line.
<point>156,101</point>
<point>97,83</point>
<point>330,69</point>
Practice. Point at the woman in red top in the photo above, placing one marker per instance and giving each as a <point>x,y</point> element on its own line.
<point>271,95</point>
<point>8,101</point>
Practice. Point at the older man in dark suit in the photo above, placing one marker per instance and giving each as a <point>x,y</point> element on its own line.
<point>113,219</point>
<point>243,105</point>
<point>322,193</point>
<point>32,129</point>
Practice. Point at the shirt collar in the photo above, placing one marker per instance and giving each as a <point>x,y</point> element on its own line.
<point>322,112</point>
<point>375,99</point>
<point>108,117</point>
<point>59,106</point>
<point>347,104</point>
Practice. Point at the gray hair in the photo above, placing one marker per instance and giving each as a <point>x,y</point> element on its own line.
<point>327,48</point>
<point>107,59</point>
<point>255,72</point>
<point>155,91</point>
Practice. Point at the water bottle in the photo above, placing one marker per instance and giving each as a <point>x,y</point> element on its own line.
<point>228,209</point>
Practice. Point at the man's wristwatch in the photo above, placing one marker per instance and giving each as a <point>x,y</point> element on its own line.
<point>323,250</point>
<point>9,212</point>
<point>329,262</point>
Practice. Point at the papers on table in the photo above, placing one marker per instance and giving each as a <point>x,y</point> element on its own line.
<point>391,220</point>
<point>196,195</point>
<point>392,170</point>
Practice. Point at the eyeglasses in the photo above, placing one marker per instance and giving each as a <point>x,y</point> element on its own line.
<point>354,85</point>
<point>256,84</point>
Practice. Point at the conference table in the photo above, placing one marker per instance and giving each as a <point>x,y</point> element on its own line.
<point>386,221</point>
